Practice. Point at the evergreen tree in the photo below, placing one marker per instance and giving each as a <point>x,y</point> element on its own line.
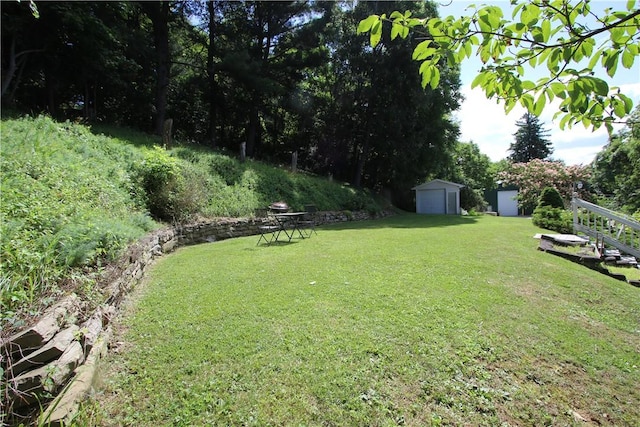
<point>531,140</point>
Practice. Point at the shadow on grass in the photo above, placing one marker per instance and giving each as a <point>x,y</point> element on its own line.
<point>129,135</point>
<point>406,220</point>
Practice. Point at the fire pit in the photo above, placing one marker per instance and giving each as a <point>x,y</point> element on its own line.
<point>279,207</point>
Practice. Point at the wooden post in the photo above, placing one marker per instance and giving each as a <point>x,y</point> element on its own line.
<point>294,161</point>
<point>243,151</point>
<point>166,134</point>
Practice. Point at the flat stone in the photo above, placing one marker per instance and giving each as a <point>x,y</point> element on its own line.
<point>28,340</point>
<point>50,351</point>
<point>91,330</point>
<point>64,407</point>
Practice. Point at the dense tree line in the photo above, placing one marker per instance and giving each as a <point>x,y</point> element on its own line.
<point>279,79</point>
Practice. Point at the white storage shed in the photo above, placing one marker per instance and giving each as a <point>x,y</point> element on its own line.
<point>438,197</point>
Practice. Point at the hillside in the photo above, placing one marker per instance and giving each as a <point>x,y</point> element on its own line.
<point>73,197</point>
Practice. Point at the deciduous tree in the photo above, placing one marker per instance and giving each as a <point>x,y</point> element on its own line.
<point>616,169</point>
<point>532,177</point>
<point>565,36</point>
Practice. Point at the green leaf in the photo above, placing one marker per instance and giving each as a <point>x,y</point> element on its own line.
<point>426,69</point>
<point>423,51</point>
<point>479,80</point>
<point>536,32</point>
<point>435,78</point>
<point>628,58</point>
<point>527,102</point>
<point>554,58</point>
<point>366,24</point>
<point>550,94</point>
<point>628,102</point>
<point>396,15</point>
<point>376,34</point>
<point>539,104</point>
<point>395,30</point>
<point>618,35</point>
<point>509,105</point>
<point>619,108</point>
<point>610,61</point>
<point>530,14</point>
<point>595,58</point>
<point>559,89</point>
<point>546,30</point>
<point>468,49</point>
<point>565,121</point>
<point>600,86</point>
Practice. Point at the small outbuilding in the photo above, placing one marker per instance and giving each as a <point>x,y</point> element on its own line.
<point>503,200</point>
<point>438,197</point>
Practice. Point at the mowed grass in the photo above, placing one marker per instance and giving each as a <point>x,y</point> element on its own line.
<point>411,320</point>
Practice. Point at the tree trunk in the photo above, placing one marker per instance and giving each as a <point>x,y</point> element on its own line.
<point>50,88</point>
<point>253,128</point>
<point>158,12</point>
<point>212,75</point>
<point>360,162</point>
<point>7,74</point>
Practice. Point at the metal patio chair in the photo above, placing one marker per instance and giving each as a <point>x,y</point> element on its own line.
<point>269,229</point>
<point>308,221</point>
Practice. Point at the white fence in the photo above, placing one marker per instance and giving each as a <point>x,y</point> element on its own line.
<point>603,224</point>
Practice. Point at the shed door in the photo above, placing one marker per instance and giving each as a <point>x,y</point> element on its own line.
<point>452,203</point>
<point>432,201</point>
<point>507,203</point>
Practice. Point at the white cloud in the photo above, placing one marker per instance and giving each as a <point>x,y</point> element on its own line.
<point>484,122</point>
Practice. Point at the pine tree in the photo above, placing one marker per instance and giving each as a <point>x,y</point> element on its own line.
<point>531,140</point>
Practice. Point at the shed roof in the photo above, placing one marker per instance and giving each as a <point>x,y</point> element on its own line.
<point>436,182</point>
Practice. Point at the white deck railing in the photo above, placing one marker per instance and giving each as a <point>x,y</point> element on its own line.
<point>612,228</point>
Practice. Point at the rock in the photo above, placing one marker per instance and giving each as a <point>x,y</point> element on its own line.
<point>91,330</point>
<point>29,387</point>
<point>52,350</point>
<point>578,417</point>
<point>66,364</point>
<point>169,245</point>
<point>27,341</point>
<point>61,411</point>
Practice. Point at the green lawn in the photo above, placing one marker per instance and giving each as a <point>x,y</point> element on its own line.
<point>414,320</point>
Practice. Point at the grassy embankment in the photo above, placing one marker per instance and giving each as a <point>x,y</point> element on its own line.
<point>73,198</point>
<point>411,320</point>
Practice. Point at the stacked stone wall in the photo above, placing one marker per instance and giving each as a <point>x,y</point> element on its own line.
<point>59,354</point>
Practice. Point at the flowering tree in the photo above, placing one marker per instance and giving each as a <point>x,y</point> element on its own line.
<point>532,177</point>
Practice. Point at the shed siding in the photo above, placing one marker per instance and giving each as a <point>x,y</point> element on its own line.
<point>507,203</point>
<point>431,201</point>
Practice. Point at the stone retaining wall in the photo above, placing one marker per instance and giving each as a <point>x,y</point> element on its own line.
<point>58,355</point>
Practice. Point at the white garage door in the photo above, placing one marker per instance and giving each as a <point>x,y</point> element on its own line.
<point>432,202</point>
<point>507,203</point>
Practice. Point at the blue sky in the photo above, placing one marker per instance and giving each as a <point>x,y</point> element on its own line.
<point>484,122</point>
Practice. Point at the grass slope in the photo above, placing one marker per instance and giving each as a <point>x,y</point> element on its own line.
<point>73,197</point>
<point>414,320</point>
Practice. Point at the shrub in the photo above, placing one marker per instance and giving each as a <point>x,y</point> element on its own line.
<point>159,175</point>
<point>555,219</point>
<point>471,199</point>
<point>551,197</point>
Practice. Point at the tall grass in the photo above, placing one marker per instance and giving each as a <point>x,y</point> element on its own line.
<point>65,205</point>
<point>73,197</point>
